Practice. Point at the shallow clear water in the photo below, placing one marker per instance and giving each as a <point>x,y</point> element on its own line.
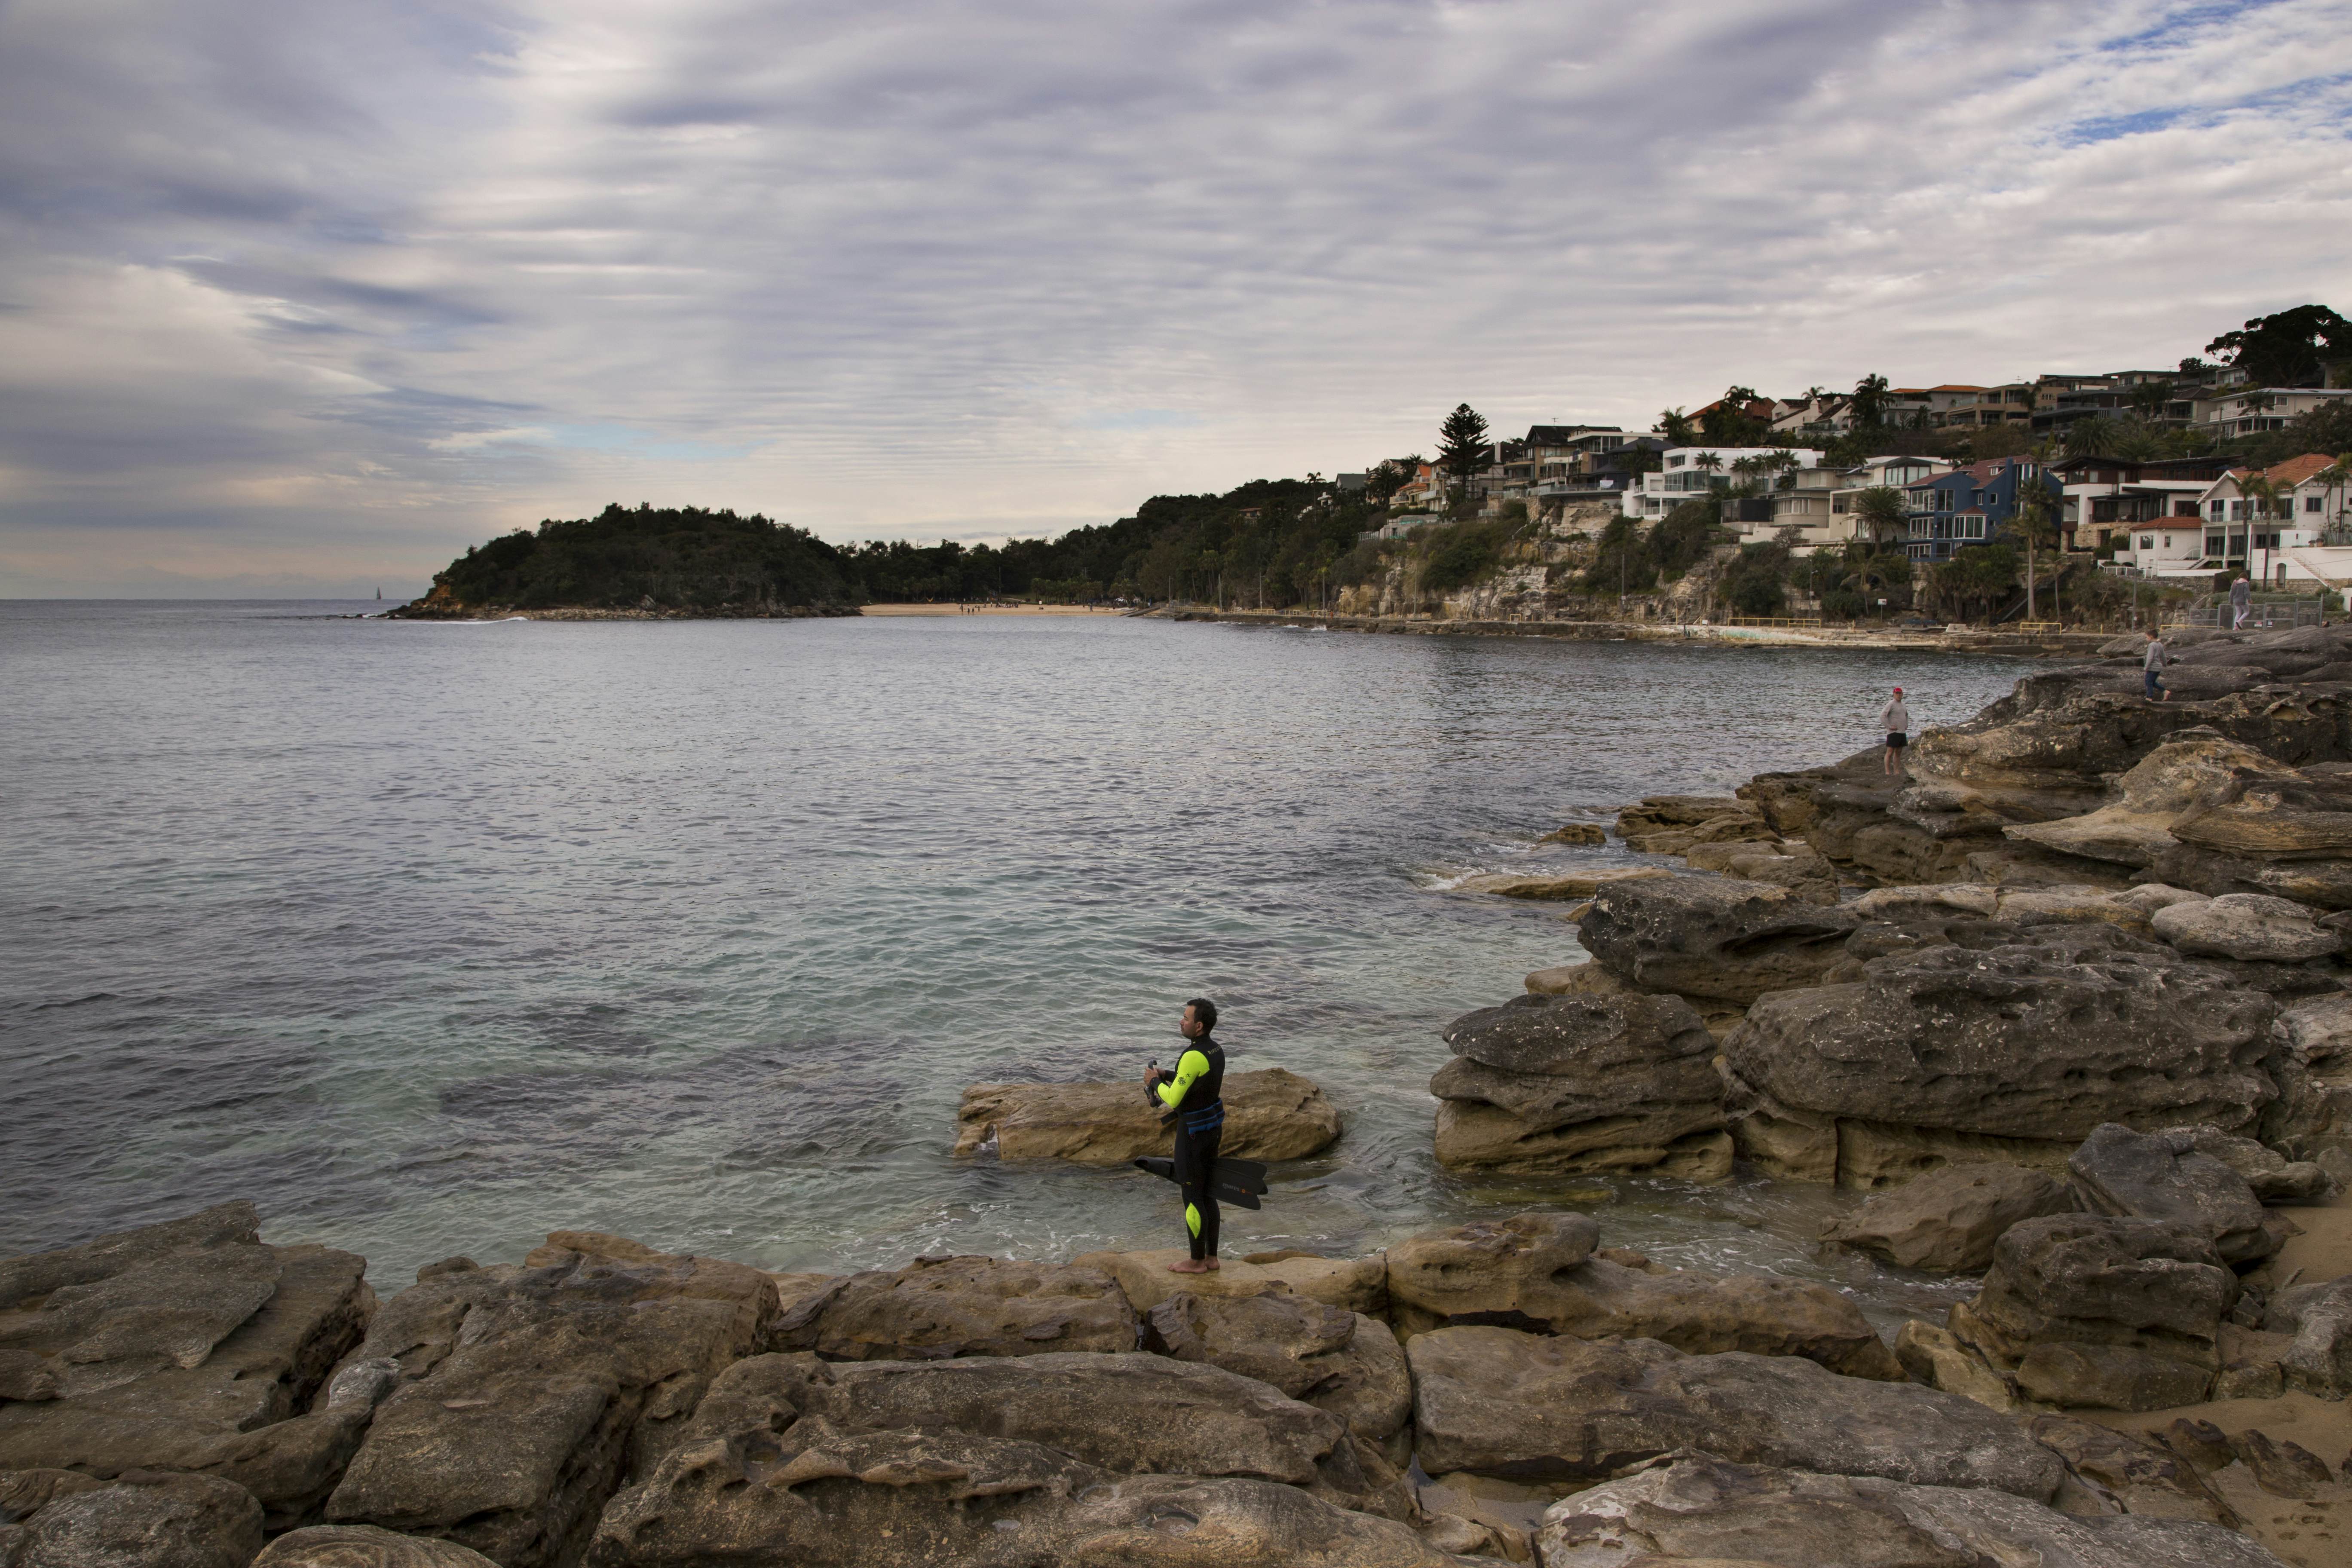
<point>432,938</point>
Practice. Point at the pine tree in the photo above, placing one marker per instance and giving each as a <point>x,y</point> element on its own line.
<point>1462,443</point>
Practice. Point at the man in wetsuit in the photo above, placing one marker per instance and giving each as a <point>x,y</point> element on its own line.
<point>1194,1095</point>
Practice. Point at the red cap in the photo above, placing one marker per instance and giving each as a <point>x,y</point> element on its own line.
<point>1898,691</point>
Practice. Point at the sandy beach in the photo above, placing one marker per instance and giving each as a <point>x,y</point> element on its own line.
<point>986,610</point>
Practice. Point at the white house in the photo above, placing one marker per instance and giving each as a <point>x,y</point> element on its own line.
<point>1822,502</point>
<point>2247,410</point>
<point>1687,473</point>
<point>2231,530</point>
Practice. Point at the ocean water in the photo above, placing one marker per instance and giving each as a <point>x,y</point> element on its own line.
<point>432,938</point>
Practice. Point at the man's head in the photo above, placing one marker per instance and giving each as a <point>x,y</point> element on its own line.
<point>2149,633</point>
<point>1898,691</point>
<point>1199,1018</point>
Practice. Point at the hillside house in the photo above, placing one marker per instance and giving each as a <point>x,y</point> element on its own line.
<point>2106,497</point>
<point>1969,506</point>
<point>2247,411</point>
<point>1686,473</point>
<point>2011,403</point>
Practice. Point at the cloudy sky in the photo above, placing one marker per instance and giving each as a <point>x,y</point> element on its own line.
<point>305,295</point>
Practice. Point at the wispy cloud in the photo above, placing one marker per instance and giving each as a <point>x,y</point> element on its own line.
<point>339,288</point>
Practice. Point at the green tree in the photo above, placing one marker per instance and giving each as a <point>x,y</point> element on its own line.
<point>1675,426</point>
<point>2286,349</point>
<point>1462,443</point>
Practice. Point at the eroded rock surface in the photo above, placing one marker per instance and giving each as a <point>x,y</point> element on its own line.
<point>1713,937</point>
<point>532,1390</point>
<point>1271,1113</point>
<point>142,1519</point>
<point>2162,1176</point>
<point>1357,1284</point>
<point>1502,1402</point>
<point>365,1546</point>
<point>1949,1219</point>
<point>1586,1081</point>
<point>1702,1510</point>
<point>2089,1310</point>
<point>958,1306</point>
<point>1335,1360</point>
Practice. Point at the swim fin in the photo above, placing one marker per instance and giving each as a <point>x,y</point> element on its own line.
<point>1237,1182</point>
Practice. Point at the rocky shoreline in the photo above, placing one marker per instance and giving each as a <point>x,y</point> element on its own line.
<point>2068,1002</point>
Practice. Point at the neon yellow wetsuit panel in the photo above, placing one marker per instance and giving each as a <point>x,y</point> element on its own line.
<point>1188,1069</point>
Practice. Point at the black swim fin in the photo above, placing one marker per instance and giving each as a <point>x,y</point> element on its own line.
<point>1237,1182</point>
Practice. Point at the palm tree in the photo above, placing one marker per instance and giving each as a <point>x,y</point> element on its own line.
<point>2335,476</point>
<point>1870,400</point>
<point>1675,426</point>
<point>2033,524</point>
<point>1885,510</point>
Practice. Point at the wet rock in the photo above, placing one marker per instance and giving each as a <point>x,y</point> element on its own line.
<point>1502,1402</point>
<point>365,1546</point>
<point>1669,824</point>
<point>1582,1082</point>
<point>1335,1360</point>
<point>533,1390</point>
<point>1701,1510</point>
<point>2162,1176</point>
<point>2205,1446</point>
<point>1576,833</point>
<point>2128,1476</point>
<point>1713,937</point>
<point>960,1306</point>
<point>808,1490</point>
<point>1935,1358</point>
<point>1949,1219</point>
<point>249,1410</point>
<point>1271,1113</point>
<point>2250,926</point>
<point>1566,885</point>
<point>1357,1284</point>
<point>2029,1042</point>
<point>142,1519</point>
<point>1799,868</point>
<point>1586,977</point>
<point>2088,1310</point>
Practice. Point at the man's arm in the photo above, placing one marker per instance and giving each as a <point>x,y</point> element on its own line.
<point>1189,1067</point>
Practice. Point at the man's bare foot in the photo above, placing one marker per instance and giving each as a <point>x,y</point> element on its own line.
<point>1190,1266</point>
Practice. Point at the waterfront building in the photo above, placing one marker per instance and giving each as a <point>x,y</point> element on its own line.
<point>1969,506</point>
<point>1686,473</point>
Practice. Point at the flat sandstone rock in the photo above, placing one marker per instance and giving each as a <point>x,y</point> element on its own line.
<point>1271,1113</point>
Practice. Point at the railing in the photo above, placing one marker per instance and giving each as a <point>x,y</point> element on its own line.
<point>2036,627</point>
<point>1770,621</point>
<point>2260,616</point>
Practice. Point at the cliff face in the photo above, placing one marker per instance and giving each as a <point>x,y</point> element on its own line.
<point>646,563</point>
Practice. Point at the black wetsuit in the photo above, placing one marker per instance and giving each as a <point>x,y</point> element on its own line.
<point>1200,1111</point>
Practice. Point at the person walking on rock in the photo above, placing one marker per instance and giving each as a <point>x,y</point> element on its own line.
<point>1895,719</point>
<point>1194,1098</point>
<point>2241,601</point>
<point>2151,668</point>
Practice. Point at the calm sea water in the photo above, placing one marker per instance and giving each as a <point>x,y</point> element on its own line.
<point>432,938</point>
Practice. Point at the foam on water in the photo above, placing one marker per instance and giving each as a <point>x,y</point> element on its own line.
<point>696,930</point>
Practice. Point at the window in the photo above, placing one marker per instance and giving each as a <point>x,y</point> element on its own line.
<point>2147,542</point>
<point>2217,508</point>
<point>2310,503</point>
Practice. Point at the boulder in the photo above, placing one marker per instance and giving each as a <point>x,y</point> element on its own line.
<point>1566,885</point>
<point>1582,978</point>
<point>2161,1176</point>
<point>1949,1219</point>
<point>2318,1360</point>
<point>532,1390</point>
<point>958,1306</point>
<point>1501,1402</point>
<point>248,1410</point>
<point>2089,1310</point>
<point>2273,1178</point>
<point>1576,833</point>
<point>2124,1474</point>
<point>2034,1041</point>
<point>1335,1360</point>
<point>2321,1029</point>
<point>1661,813</point>
<point>763,1486</point>
<point>1935,1358</point>
<point>2250,926</point>
<point>1533,1272</point>
<point>1700,1511</point>
<point>365,1546</point>
<point>1129,1413</point>
<point>1713,937</point>
<point>1271,1113</point>
<point>2193,767</point>
<point>1797,868</point>
<point>1587,1081</point>
<point>142,1518</point>
<point>1356,1284</point>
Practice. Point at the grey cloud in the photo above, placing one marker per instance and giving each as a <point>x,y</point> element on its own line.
<point>922,267</point>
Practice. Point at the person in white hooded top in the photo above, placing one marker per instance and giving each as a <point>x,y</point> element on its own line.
<point>1895,719</point>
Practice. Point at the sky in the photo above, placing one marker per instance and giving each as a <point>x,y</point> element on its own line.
<point>303,297</point>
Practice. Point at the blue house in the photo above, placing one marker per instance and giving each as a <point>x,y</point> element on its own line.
<point>1972,505</point>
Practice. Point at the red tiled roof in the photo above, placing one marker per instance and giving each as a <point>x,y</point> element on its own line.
<point>2294,470</point>
<point>1960,387</point>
